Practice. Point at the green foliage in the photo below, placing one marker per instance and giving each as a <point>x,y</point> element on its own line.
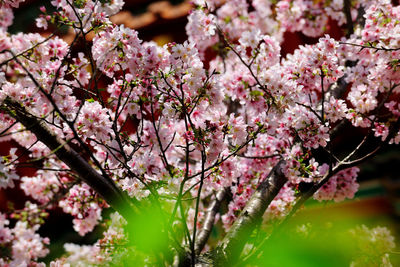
<point>314,240</point>
<point>147,231</point>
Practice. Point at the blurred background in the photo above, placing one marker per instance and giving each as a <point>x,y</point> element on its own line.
<point>160,21</point>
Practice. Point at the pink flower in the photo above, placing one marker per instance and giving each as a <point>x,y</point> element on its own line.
<point>340,186</point>
<point>81,204</point>
<point>94,122</point>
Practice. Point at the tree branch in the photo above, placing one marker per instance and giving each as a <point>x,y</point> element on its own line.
<point>343,164</point>
<point>104,186</point>
<point>205,232</point>
<point>251,215</point>
<point>349,19</point>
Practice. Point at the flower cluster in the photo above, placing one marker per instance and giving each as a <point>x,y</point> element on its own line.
<point>6,17</point>
<point>84,206</point>
<point>281,203</point>
<point>340,186</point>
<point>372,243</point>
<point>25,245</point>
<point>94,122</point>
<point>42,187</point>
<point>10,3</point>
<point>7,173</point>
<point>381,24</point>
<point>84,14</point>
<point>119,48</point>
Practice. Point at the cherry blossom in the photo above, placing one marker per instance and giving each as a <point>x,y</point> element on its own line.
<point>201,131</point>
<point>342,185</point>
<point>81,203</point>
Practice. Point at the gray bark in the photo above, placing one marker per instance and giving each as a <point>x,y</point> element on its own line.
<point>232,245</point>
<point>209,221</point>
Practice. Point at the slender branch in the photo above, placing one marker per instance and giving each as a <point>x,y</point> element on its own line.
<point>313,111</point>
<point>193,245</point>
<point>248,66</point>
<point>104,186</point>
<point>63,116</point>
<point>344,164</point>
<point>322,98</point>
<point>369,46</point>
<point>219,161</point>
<point>259,157</point>
<point>14,56</point>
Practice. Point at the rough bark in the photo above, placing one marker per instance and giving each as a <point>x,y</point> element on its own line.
<point>209,221</point>
<point>232,245</point>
